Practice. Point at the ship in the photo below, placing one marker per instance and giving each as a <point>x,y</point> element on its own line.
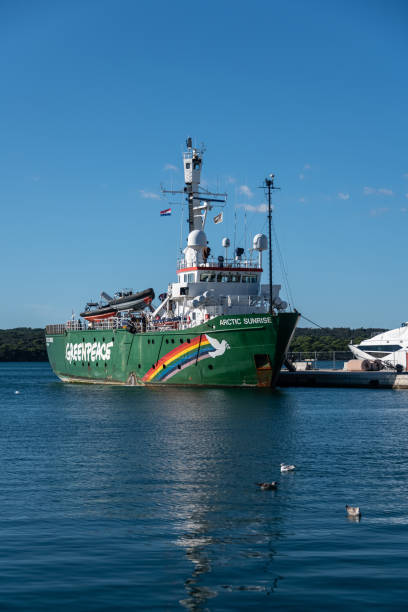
<point>216,325</point>
<point>387,350</point>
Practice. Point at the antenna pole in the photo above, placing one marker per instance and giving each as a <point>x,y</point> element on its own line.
<point>269,186</point>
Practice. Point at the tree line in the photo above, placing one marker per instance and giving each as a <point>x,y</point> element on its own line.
<point>28,344</point>
<point>22,344</point>
<point>330,338</point>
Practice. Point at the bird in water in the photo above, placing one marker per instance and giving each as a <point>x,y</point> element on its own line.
<point>353,511</point>
<point>287,468</point>
<point>267,486</point>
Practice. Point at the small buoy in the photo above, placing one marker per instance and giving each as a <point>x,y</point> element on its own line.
<point>16,392</point>
<point>353,511</point>
<point>287,468</point>
<point>267,486</point>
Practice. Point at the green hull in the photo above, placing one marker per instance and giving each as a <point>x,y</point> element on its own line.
<point>241,350</point>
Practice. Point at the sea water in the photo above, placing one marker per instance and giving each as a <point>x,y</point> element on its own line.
<point>115,498</point>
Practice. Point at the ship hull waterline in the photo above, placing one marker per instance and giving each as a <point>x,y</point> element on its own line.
<point>227,351</point>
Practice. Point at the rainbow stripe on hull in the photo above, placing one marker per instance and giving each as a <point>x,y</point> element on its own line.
<point>186,354</point>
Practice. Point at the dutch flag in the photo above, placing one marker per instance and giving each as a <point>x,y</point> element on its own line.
<point>165,213</point>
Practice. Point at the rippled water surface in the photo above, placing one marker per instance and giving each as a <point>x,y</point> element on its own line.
<point>127,498</point>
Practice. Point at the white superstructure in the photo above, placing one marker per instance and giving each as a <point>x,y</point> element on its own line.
<point>390,347</point>
<point>208,285</point>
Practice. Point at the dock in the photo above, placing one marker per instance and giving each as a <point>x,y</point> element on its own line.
<point>341,378</point>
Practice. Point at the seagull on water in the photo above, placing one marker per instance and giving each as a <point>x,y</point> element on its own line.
<point>287,468</point>
<point>353,511</point>
<point>267,486</point>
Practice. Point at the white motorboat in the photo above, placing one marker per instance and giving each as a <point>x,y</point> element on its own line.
<point>390,347</point>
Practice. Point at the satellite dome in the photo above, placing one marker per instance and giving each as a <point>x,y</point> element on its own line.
<point>197,239</point>
<point>226,243</point>
<point>260,242</point>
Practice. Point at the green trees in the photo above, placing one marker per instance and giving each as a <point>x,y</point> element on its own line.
<point>22,344</point>
<point>329,339</point>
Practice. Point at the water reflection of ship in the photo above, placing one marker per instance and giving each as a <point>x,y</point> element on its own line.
<point>221,547</point>
<point>229,530</point>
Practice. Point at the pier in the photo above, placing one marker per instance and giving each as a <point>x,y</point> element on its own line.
<point>383,379</point>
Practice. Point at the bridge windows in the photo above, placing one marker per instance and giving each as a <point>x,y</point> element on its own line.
<point>225,277</point>
<point>216,276</point>
<point>207,277</point>
<point>249,279</point>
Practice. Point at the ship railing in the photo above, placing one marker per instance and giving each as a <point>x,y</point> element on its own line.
<point>226,263</point>
<point>54,330</point>
<point>140,325</point>
<point>111,323</point>
<point>78,325</point>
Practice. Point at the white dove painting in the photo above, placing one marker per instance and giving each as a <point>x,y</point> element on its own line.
<point>220,347</point>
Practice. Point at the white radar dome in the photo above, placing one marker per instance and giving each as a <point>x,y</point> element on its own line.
<point>197,239</point>
<point>226,243</point>
<point>260,242</point>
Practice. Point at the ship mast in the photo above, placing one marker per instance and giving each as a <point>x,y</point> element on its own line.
<point>199,201</point>
<point>269,186</point>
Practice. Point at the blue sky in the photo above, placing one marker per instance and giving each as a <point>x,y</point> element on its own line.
<point>97,98</point>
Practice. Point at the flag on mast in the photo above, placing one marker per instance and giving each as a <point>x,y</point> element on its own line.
<point>166,212</point>
<point>219,218</point>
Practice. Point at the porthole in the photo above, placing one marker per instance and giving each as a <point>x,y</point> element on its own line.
<point>152,341</point>
<point>167,341</point>
<point>210,367</point>
<point>106,365</point>
<point>153,366</point>
<point>181,340</point>
<point>139,366</point>
<point>148,342</point>
<point>172,340</point>
<point>113,339</point>
<point>83,363</point>
<point>164,365</point>
<point>83,339</point>
<point>103,339</point>
<point>188,340</point>
<point>96,364</point>
<point>88,364</point>
<point>94,339</point>
<point>179,367</point>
